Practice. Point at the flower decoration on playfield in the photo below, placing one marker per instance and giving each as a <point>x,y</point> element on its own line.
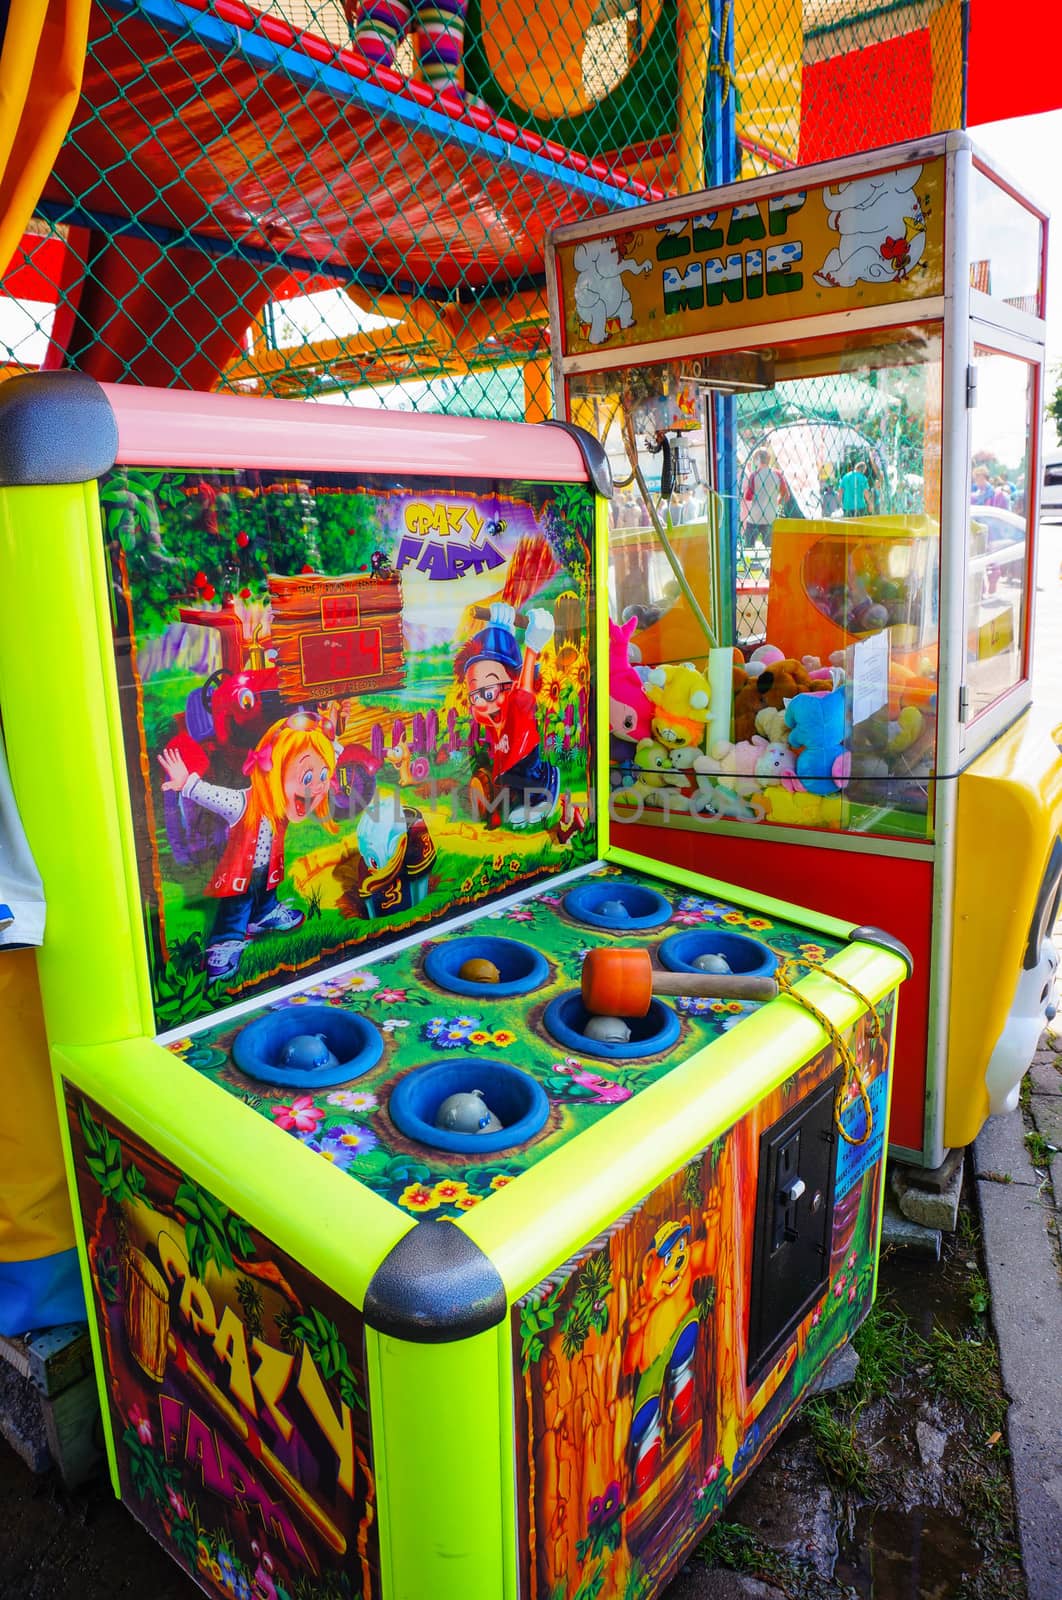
<point>299,1115</point>
<point>451,1033</point>
<point>812,952</point>
<point>342,1143</point>
<point>353,1100</point>
<point>417,1197</point>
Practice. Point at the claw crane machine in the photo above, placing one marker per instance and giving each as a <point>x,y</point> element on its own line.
<point>820,392</point>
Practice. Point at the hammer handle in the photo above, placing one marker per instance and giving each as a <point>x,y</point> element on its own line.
<point>714,985</point>
<point>482,613</point>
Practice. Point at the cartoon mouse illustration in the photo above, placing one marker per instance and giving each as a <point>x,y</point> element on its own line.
<point>601,296</point>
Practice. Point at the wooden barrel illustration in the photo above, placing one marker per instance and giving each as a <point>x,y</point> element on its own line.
<point>147,1314</point>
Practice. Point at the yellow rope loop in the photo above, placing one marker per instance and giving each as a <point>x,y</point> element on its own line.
<point>787,976</point>
<point>721,66</point>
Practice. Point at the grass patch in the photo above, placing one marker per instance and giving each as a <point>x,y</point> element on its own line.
<point>1039,1150</point>
<point>883,1346</point>
<point>967,1371</point>
<point>977,1289</point>
<point>988,1510</point>
<point>842,1455</point>
<point>731,1545</point>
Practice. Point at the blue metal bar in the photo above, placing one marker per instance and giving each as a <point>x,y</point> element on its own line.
<point>170,16</point>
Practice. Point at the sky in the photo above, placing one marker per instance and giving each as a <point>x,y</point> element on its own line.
<point>1028,150</point>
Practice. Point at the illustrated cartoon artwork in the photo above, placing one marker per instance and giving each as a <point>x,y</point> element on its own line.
<point>290,770</point>
<point>882,229</point>
<point>664,1329</point>
<point>500,680</point>
<point>601,296</point>
<point>629,708</point>
<point>396,851</point>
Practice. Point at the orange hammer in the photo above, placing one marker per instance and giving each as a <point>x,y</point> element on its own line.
<point>622,982</point>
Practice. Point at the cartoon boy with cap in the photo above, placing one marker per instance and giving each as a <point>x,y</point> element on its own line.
<point>500,680</point>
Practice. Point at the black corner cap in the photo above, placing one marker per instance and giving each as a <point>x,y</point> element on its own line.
<point>888,941</point>
<point>598,466</point>
<point>55,427</point>
<point>435,1286</point>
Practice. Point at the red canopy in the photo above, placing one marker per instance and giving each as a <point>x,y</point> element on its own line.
<point>1013,65</point>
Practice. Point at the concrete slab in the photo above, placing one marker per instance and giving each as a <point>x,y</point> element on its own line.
<point>1000,1150</point>
<point>899,1233</point>
<point>1026,1303</point>
<point>1047,1114</point>
<point>933,1207</point>
<point>1045,1074</point>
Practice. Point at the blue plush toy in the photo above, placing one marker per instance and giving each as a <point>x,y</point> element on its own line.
<point>816,723</point>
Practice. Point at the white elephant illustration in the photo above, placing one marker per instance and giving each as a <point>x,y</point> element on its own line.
<point>882,229</point>
<point>601,296</point>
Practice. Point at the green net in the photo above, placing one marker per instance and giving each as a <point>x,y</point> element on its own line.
<point>350,202</point>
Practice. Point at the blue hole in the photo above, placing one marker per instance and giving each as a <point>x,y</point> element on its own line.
<point>616,905</point>
<point>566,1017</point>
<point>519,1103</point>
<point>750,958</point>
<point>520,968</point>
<point>353,1045</point>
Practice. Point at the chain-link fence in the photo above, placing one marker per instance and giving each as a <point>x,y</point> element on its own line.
<point>339,199</point>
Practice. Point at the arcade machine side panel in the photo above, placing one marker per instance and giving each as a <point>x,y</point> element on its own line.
<point>230,1343</point>
<point>655,1367</point>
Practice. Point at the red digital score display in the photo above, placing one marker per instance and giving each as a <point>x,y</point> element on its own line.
<point>343,655</point>
<point>340,611</point>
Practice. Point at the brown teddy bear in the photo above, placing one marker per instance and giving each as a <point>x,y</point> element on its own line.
<point>778,682</point>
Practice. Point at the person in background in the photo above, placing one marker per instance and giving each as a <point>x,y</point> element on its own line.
<point>856,498</point>
<point>985,492</point>
<point>766,493</point>
<point>829,499</point>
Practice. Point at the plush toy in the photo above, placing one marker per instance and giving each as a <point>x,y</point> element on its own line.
<point>714,797</point>
<point>629,710</point>
<point>680,697</point>
<point>775,764</point>
<point>781,681</point>
<point>817,727</point>
<point>904,731</point>
<point>772,726</point>
<point>652,761</point>
<point>746,767</point>
<point>799,808</point>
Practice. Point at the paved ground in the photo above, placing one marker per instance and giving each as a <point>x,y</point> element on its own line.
<point>1019,1187</point>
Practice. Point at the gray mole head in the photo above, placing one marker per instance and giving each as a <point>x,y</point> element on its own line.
<point>712,963</point>
<point>467,1113</point>
<point>613,908</point>
<point>309,1052</point>
<point>607,1030</point>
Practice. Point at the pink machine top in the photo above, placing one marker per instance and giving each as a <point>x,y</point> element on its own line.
<point>184,428</point>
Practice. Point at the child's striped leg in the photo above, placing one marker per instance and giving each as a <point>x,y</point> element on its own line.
<point>441,25</point>
<point>377,26</point>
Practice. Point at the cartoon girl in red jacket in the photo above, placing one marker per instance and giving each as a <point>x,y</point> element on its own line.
<point>290,770</point>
